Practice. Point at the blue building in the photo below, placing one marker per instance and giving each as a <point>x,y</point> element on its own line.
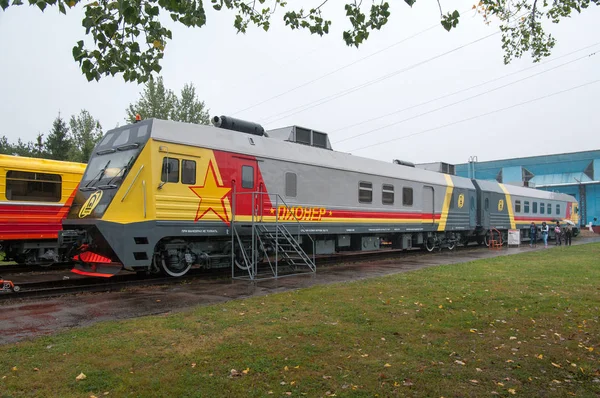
<point>576,174</point>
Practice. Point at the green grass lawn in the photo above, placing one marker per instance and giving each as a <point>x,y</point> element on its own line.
<point>521,325</point>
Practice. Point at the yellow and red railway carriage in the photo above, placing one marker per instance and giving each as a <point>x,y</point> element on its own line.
<point>163,195</point>
<point>35,196</point>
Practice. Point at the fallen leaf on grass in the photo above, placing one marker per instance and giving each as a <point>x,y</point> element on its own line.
<point>407,383</point>
<point>234,373</point>
<point>14,368</point>
<point>474,381</point>
<point>539,356</point>
<point>387,365</point>
<point>36,369</point>
<point>473,330</point>
<point>556,381</point>
<point>556,365</point>
<point>512,391</point>
<point>245,371</point>
<point>478,369</point>
<point>459,362</point>
<point>327,377</point>
<point>194,365</point>
<point>513,338</point>
<point>80,377</point>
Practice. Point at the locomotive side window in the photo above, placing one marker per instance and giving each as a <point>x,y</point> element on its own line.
<point>365,192</point>
<point>526,206</point>
<point>407,196</point>
<point>34,187</point>
<point>247,177</point>
<point>387,194</point>
<point>170,170</point>
<point>517,206</point>
<point>534,208</point>
<point>557,209</point>
<point>542,208</point>
<point>188,172</point>
<point>486,205</point>
<point>291,185</point>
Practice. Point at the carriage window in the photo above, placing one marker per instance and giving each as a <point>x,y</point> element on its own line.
<point>34,187</point>
<point>534,208</point>
<point>486,205</point>
<point>170,170</point>
<point>365,192</point>
<point>517,206</point>
<point>247,177</point>
<point>526,206</point>
<point>549,208</point>
<point>542,208</point>
<point>291,185</point>
<point>407,196</point>
<point>387,194</point>
<point>188,172</point>
<point>557,209</point>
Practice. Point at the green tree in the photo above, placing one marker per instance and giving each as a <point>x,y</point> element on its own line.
<point>5,146</point>
<point>85,133</point>
<point>129,36</point>
<point>189,108</point>
<point>158,102</point>
<point>58,143</point>
<point>155,102</point>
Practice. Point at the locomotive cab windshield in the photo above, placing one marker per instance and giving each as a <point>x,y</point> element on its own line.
<point>114,156</point>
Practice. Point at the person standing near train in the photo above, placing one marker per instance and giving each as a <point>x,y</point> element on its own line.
<point>568,234</point>
<point>532,234</point>
<point>558,233</point>
<point>545,234</point>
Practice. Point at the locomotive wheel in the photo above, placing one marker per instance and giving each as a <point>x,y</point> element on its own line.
<point>172,268</point>
<point>452,245</point>
<point>429,244</point>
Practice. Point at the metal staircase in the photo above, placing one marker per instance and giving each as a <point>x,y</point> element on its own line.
<point>264,248</point>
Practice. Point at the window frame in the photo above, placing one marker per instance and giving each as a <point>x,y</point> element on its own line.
<point>410,195</point>
<point>526,207</point>
<point>183,174</point>
<point>286,180</point>
<point>368,188</point>
<point>558,209</point>
<point>542,208</point>
<point>43,181</point>
<point>387,189</point>
<point>164,177</point>
<point>245,181</point>
<point>517,206</point>
<point>534,209</point>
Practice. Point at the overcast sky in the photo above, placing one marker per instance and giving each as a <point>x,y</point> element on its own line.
<point>235,74</point>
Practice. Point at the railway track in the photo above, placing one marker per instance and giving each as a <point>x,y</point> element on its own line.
<point>16,268</point>
<point>53,288</point>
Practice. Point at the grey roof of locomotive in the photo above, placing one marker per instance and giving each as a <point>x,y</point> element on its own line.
<point>275,148</point>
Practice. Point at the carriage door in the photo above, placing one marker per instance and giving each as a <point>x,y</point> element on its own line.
<point>486,210</point>
<point>428,204</point>
<point>246,186</point>
<point>472,209</point>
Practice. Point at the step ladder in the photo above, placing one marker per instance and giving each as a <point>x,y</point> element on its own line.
<point>263,249</point>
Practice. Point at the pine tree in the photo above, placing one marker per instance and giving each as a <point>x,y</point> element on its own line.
<point>58,143</point>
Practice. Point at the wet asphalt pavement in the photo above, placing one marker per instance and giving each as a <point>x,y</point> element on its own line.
<point>33,318</point>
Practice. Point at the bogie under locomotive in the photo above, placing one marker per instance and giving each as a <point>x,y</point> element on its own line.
<point>165,196</point>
